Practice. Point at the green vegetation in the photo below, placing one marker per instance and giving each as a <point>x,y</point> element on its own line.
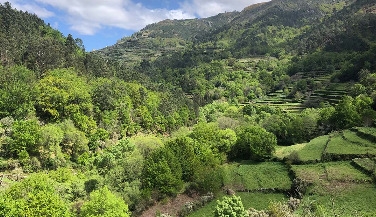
<point>191,107</point>
<point>231,207</point>
<point>103,203</point>
<point>313,150</point>
<point>303,153</point>
<point>35,196</point>
<point>367,164</point>
<point>350,200</point>
<point>329,178</point>
<point>255,176</point>
<point>340,146</point>
<point>255,200</point>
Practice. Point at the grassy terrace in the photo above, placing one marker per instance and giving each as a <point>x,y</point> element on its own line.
<point>314,149</point>
<point>307,152</point>
<point>335,188</point>
<point>340,145</point>
<point>367,164</point>
<point>349,200</point>
<point>254,200</point>
<point>331,177</point>
<point>353,137</point>
<point>256,176</point>
<point>367,133</point>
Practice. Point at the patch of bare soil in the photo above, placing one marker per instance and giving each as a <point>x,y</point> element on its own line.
<point>171,207</point>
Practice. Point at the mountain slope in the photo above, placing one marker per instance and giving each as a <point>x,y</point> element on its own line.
<point>164,37</point>
<point>258,29</point>
<point>309,38</point>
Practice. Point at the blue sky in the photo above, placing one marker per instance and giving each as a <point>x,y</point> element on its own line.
<point>100,23</point>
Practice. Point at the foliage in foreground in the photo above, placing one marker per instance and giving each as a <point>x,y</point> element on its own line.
<point>35,196</point>
<point>230,207</point>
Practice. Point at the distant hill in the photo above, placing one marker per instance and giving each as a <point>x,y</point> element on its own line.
<point>267,28</point>
<point>163,37</point>
<point>285,29</point>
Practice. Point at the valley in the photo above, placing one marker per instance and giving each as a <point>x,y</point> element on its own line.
<point>269,111</point>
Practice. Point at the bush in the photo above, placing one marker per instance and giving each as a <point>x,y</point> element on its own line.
<point>34,196</point>
<point>230,207</point>
<point>25,135</point>
<point>104,203</point>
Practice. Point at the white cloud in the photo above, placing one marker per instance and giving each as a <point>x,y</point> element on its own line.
<point>206,8</point>
<point>30,7</point>
<point>89,16</point>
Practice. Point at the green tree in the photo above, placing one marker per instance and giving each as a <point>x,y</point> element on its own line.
<point>146,144</point>
<point>103,203</point>
<point>35,196</point>
<point>51,140</point>
<point>74,142</point>
<point>43,54</point>
<point>210,135</point>
<point>122,165</point>
<point>255,143</point>
<point>26,136</point>
<point>162,173</point>
<point>183,149</point>
<point>230,207</point>
<point>62,94</point>
<point>17,92</point>
<point>345,114</point>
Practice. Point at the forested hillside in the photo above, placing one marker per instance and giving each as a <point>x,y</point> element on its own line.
<point>274,102</point>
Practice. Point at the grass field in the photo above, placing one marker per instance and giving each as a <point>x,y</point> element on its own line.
<point>282,152</point>
<point>354,200</point>
<point>314,149</point>
<point>366,164</point>
<point>331,177</point>
<point>340,146</point>
<point>367,133</point>
<point>254,200</point>
<point>367,130</point>
<point>255,176</point>
<point>352,137</point>
<point>306,152</point>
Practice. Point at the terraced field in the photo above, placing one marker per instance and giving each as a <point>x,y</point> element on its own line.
<point>249,176</point>
<point>306,152</point>
<point>366,164</point>
<point>332,93</point>
<point>336,172</point>
<point>348,145</point>
<point>280,101</point>
<point>329,92</point>
<point>349,199</point>
<point>256,200</point>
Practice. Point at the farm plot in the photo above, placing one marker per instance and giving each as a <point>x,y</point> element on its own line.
<point>354,200</point>
<point>367,164</point>
<point>353,137</point>
<point>256,200</point>
<point>314,149</point>
<point>368,133</point>
<point>306,152</point>
<point>330,178</point>
<point>257,176</point>
<point>338,147</point>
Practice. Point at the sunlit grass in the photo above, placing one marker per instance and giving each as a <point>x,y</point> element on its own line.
<point>255,176</point>
<point>254,200</point>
